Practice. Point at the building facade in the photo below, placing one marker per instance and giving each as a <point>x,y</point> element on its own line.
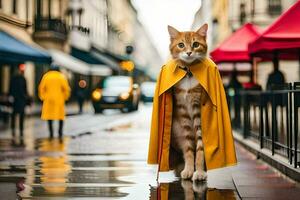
<point>215,14</point>
<point>88,22</point>
<point>145,53</point>
<point>121,23</point>
<point>124,29</point>
<point>261,13</point>
<point>16,19</point>
<point>50,28</point>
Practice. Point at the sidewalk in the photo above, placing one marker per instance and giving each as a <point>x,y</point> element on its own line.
<point>254,179</point>
<point>35,111</point>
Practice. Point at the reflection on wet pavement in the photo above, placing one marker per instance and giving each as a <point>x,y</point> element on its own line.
<point>56,174</point>
<point>54,170</point>
<point>188,190</point>
<point>101,165</point>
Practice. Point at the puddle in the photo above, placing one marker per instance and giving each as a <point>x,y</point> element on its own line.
<point>49,170</point>
<point>188,190</point>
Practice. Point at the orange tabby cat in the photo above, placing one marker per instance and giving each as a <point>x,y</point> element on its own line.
<point>188,48</point>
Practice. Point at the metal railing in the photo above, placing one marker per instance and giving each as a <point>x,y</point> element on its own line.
<point>270,118</point>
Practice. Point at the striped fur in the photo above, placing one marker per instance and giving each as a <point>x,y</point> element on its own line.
<point>186,128</point>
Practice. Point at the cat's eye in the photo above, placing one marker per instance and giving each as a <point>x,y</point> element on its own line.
<point>180,45</point>
<point>196,44</point>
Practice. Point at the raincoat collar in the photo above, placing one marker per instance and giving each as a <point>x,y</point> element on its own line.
<point>176,66</point>
<point>200,71</point>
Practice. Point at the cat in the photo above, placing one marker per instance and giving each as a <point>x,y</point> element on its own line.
<point>188,48</point>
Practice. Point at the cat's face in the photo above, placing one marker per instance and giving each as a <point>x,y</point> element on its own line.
<point>188,47</point>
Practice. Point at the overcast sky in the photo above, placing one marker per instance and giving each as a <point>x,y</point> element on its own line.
<point>157,14</point>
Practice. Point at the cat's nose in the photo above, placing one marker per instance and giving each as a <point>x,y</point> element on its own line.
<point>189,53</point>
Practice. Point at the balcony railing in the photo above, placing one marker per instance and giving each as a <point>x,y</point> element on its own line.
<point>270,118</point>
<point>56,28</point>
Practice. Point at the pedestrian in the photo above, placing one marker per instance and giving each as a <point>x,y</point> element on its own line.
<point>81,94</point>
<point>233,89</point>
<point>276,81</point>
<point>276,77</point>
<point>19,98</point>
<point>54,90</point>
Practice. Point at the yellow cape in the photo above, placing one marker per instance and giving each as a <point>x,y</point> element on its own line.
<point>217,136</point>
<point>165,190</point>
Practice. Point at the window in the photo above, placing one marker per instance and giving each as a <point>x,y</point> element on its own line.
<point>14,10</point>
<point>242,14</point>
<point>274,7</point>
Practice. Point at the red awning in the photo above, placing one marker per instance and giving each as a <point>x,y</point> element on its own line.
<point>283,36</point>
<point>235,48</point>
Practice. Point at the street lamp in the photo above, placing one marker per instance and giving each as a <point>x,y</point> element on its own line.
<point>128,65</point>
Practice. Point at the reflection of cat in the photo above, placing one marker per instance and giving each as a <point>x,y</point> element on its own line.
<point>188,48</point>
<point>189,190</point>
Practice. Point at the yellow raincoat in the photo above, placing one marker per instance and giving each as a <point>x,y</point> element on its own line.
<point>54,90</point>
<point>217,136</point>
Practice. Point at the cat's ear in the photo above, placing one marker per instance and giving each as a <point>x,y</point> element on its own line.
<point>202,30</point>
<point>172,31</point>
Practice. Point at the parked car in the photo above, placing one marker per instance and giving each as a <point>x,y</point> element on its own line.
<point>147,91</point>
<point>116,92</point>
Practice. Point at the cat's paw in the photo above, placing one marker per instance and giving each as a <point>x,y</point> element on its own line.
<point>187,173</point>
<point>199,176</point>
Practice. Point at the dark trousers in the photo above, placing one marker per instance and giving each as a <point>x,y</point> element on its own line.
<point>60,128</point>
<point>80,104</point>
<point>21,122</point>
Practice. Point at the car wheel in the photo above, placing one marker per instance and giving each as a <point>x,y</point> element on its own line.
<point>131,107</point>
<point>124,110</point>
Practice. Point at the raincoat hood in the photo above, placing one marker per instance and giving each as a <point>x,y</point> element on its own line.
<point>216,130</point>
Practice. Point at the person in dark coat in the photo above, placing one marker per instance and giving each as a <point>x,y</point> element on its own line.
<point>81,94</point>
<point>276,77</point>
<point>276,81</point>
<point>233,89</point>
<point>18,92</point>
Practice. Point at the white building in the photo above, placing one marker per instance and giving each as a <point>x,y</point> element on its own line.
<point>88,20</point>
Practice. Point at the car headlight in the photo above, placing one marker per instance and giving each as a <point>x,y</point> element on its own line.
<point>124,95</point>
<point>96,95</point>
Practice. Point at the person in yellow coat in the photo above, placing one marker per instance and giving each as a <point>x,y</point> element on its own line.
<point>219,150</point>
<point>54,90</point>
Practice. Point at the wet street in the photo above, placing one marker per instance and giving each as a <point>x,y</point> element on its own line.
<point>104,157</point>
